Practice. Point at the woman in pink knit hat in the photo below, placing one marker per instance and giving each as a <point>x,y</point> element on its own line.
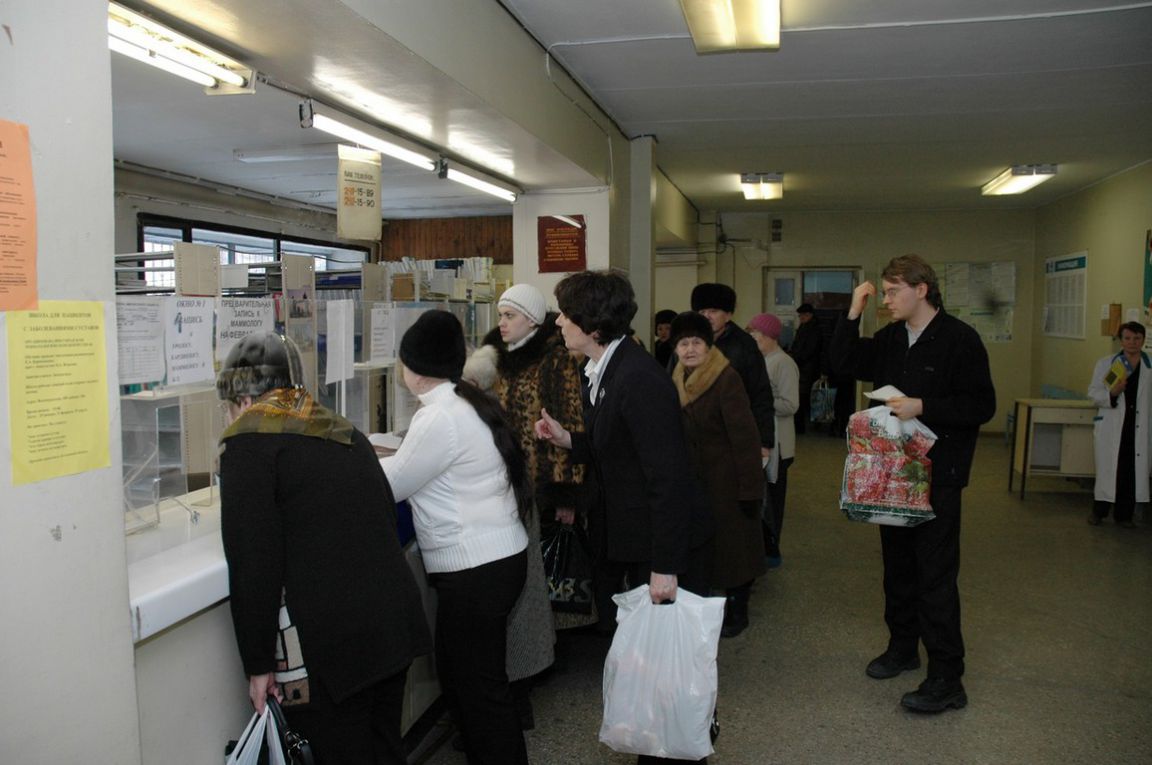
<point>785,378</point>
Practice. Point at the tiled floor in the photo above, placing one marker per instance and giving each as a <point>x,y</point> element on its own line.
<point>1057,620</point>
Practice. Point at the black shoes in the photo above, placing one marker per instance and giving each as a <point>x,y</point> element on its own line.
<point>935,695</point>
<point>1094,520</point>
<point>889,664</point>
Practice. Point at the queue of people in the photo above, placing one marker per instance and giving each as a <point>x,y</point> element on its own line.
<point>677,471</point>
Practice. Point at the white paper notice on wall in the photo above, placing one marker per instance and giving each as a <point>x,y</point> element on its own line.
<point>188,340</point>
<point>340,341</point>
<point>238,317</point>
<point>1132,314</point>
<point>140,339</point>
<point>383,343</point>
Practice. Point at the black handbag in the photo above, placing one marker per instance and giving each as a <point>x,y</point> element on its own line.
<point>568,568</point>
<point>297,750</point>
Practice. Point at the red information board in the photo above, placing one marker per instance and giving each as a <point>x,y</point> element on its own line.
<point>561,243</point>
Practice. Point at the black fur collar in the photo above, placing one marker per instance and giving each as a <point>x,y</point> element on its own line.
<point>511,363</point>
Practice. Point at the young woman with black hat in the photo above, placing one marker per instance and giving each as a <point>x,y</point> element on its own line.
<point>461,468</point>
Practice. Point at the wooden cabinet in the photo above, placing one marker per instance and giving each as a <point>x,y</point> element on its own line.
<point>1053,437</point>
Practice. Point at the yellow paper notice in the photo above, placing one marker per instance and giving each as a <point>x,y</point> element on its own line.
<point>57,390</point>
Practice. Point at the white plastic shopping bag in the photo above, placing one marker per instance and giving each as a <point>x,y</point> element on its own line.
<point>247,750</point>
<point>660,675</point>
<point>260,729</point>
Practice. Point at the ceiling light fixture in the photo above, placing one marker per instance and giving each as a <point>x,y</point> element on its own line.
<point>719,26</point>
<point>468,177</point>
<point>762,185</point>
<point>1018,179</point>
<point>143,39</point>
<point>312,151</point>
<point>333,122</point>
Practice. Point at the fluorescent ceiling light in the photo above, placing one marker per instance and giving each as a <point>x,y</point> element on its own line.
<point>762,185</point>
<point>1018,179</point>
<point>145,56</point>
<point>472,178</point>
<point>730,25</point>
<point>333,122</point>
<point>143,39</point>
<point>286,153</point>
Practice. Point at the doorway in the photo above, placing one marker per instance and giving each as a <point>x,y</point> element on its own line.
<point>829,290</point>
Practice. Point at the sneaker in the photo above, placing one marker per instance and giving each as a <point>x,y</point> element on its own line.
<point>935,695</point>
<point>1094,520</point>
<point>890,664</point>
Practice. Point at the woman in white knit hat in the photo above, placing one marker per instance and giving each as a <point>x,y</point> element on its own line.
<point>526,365</point>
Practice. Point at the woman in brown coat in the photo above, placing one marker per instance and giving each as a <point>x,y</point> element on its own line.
<point>725,446</point>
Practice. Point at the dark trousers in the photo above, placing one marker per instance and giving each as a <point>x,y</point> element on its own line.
<point>921,595</point>
<point>471,638</point>
<point>1125,494</point>
<point>774,508</point>
<point>363,729</point>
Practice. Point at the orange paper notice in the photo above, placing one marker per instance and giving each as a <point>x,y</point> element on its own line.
<point>17,220</point>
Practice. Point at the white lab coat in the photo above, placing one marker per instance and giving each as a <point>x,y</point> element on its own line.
<point>1110,421</point>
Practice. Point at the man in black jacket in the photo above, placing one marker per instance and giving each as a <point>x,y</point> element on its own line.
<point>807,350</point>
<point>940,366</point>
<point>717,303</point>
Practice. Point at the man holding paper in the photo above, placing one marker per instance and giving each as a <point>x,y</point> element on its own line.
<point>1122,429</point>
<point>939,368</point>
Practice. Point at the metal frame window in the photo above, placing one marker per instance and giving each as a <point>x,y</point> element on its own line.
<point>236,245</point>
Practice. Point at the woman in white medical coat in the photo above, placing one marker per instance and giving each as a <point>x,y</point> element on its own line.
<point>1122,389</point>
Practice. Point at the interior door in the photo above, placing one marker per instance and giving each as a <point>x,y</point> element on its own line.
<point>783,294</point>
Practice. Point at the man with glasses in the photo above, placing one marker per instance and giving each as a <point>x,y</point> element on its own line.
<point>940,366</point>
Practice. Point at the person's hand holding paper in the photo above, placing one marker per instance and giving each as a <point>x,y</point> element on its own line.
<point>903,407</point>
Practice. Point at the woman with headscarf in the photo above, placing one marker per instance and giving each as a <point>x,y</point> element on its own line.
<point>461,468</point>
<point>725,446</point>
<point>325,608</point>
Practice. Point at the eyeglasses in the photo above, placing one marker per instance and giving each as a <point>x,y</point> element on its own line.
<point>891,292</point>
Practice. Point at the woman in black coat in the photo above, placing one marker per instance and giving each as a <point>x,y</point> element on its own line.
<point>308,521</point>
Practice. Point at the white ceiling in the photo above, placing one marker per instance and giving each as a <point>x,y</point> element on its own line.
<point>906,104</point>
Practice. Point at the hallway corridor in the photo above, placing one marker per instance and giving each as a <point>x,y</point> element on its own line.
<point>1057,621</point>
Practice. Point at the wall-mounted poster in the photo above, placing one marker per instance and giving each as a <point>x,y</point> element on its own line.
<point>561,243</point>
<point>1148,276</point>
<point>57,390</point>
<point>18,290</point>
<point>1065,293</point>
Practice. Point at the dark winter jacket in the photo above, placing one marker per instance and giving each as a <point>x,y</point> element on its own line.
<point>725,447</point>
<point>317,518</point>
<point>644,502</point>
<point>947,368</point>
<point>807,351</point>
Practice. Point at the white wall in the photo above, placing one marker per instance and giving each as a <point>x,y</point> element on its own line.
<point>66,649</point>
<point>869,240</point>
<point>1110,221</point>
<point>593,204</point>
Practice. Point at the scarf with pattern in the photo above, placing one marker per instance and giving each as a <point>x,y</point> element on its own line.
<point>291,411</point>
